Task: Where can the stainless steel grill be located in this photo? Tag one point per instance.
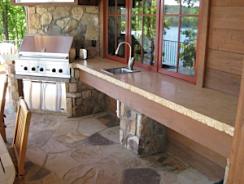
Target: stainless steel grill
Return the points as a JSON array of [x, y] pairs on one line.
[[44, 56]]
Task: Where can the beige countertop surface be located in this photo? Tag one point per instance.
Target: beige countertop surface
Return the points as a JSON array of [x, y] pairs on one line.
[[210, 107]]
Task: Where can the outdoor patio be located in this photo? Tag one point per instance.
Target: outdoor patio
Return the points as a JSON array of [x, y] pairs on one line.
[[87, 150]]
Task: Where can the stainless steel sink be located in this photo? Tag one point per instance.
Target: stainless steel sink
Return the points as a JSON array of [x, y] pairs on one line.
[[117, 71]]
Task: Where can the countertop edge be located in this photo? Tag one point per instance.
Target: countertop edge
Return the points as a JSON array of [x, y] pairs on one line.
[[206, 120]]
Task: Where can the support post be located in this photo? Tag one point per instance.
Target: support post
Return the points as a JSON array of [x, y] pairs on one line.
[[236, 169]]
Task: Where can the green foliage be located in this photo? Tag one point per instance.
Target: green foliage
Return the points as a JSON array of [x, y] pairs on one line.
[[12, 21], [188, 54]]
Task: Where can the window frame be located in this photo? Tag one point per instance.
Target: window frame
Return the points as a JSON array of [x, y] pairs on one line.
[[106, 19], [180, 15], [154, 67], [201, 47]]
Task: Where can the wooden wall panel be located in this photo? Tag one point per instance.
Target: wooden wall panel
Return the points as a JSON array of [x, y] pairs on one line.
[[178, 139], [230, 18], [225, 61], [225, 46], [227, 2], [223, 81], [226, 40]]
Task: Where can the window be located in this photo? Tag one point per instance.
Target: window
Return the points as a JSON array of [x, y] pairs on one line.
[[163, 34], [116, 27], [143, 31]]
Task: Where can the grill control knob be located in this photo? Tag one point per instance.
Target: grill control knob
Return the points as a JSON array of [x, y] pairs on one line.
[[54, 70], [33, 69], [25, 68], [60, 70], [41, 69]]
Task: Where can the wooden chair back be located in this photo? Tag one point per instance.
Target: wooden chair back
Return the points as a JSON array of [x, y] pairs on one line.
[[3, 91], [20, 140]]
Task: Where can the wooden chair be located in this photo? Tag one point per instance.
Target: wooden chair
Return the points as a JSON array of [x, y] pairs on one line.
[[3, 88], [20, 140]]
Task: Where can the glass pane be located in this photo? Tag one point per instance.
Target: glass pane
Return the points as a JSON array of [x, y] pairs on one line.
[[111, 7], [150, 6], [121, 31], [149, 34], [190, 6], [111, 35], [137, 7], [116, 7], [171, 7], [188, 37], [170, 42], [116, 34], [121, 8], [136, 37]]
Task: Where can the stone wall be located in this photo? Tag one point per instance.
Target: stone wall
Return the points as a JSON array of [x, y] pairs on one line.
[[83, 99], [140, 133], [81, 22]]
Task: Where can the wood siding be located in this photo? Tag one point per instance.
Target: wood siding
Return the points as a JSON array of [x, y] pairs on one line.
[[225, 53]]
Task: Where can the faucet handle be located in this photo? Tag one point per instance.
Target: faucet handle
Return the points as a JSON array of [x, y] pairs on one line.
[[131, 63]]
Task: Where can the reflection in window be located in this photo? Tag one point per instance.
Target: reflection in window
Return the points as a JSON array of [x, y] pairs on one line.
[[180, 35], [170, 43], [171, 7], [143, 30], [116, 26]]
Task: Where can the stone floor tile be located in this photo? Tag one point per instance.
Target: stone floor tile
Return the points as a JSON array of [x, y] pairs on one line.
[[87, 150], [70, 138], [60, 163], [89, 127], [36, 155], [192, 176], [39, 138], [141, 176], [98, 139], [54, 146], [111, 134], [52, 179]]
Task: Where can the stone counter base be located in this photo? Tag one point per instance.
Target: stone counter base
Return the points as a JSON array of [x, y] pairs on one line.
[[141, 134], [82, 99]]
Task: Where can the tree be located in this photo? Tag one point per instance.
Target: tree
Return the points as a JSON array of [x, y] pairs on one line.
[[12, 21], [188, 54]]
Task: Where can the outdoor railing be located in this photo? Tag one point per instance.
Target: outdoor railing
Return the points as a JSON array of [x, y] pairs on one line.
[[170, 52], [9, 49]]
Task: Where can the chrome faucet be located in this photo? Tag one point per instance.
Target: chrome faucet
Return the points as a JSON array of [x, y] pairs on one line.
[[131, 59]]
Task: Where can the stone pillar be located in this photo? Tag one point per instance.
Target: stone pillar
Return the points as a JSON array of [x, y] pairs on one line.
[[141, 134], [82, 99]]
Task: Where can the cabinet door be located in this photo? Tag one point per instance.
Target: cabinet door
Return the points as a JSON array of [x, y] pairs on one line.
[[33, 94], [50, 96], [45, 96]]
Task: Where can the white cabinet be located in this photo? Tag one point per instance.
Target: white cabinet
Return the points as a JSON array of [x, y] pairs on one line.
[[45, 96]]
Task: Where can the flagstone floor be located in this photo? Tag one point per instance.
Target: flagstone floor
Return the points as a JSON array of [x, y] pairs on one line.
[[86, 150]]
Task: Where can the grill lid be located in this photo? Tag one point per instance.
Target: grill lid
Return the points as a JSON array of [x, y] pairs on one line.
[[46, 46]]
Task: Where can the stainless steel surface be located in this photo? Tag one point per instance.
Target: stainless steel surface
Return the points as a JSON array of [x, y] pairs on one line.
[[131, 59], [43, 67], [45, 95], [83, 54], [44, 56], [50, 46], [117, 71]]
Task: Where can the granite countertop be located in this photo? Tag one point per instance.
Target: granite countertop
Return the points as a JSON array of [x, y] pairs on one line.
[[210, 107]]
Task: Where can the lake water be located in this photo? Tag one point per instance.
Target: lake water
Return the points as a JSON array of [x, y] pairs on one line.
[[172, 34]]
